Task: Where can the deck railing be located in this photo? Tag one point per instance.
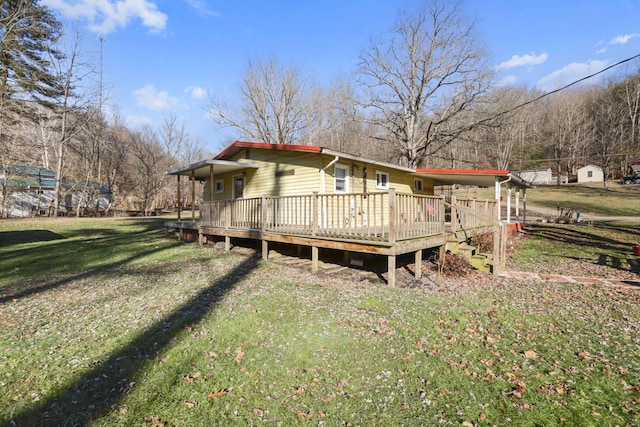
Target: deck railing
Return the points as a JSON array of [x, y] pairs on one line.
[[380, 216], [471, 214]]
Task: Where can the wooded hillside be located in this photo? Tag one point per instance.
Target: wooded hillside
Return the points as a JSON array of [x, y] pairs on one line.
[[424, 95]]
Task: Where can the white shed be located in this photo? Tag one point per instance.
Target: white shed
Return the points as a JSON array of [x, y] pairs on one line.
[[590, 173]]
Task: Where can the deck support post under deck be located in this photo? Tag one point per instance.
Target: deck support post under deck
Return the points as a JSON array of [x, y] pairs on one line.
[[265, 249], [391, 281], [418, 264], [227, 243], [314, 259]]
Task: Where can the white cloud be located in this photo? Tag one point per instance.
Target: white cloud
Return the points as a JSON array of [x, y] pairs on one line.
[[569, 74], [105, 16], [507, 81], [149, 97], [201, 7], [522, 60], [138, 121], [196, 92], [623, 39]]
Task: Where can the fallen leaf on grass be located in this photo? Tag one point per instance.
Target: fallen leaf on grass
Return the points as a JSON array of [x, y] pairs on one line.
[[188, 404], [530, 354], [216, 394]]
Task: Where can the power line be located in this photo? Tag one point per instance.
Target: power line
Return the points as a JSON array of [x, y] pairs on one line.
[[544, 95]]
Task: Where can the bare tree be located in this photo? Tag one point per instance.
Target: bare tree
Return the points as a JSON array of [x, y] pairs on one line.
[[564, 130], [273, 106], [428, 72], [73, 110], [150, 164], [606, 119]]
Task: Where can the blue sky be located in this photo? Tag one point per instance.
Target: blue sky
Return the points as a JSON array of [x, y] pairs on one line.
[[165, 57]]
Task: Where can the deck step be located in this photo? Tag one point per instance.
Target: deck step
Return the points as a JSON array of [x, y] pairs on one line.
[[479, 261]]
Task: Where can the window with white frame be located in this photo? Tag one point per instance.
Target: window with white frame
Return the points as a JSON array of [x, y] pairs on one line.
[[417, 184], [341, 178], [219, 185], [382, 180]]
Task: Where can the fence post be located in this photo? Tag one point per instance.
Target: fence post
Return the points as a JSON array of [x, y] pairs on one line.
[[263, 216], [314, 214], [393, 220], [454, 216]]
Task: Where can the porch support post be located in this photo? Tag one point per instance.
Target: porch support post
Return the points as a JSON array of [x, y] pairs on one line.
[[518, 204], [227, 243], [508, 204], [418, 264], [179, 198], [524, 205], [391, 281], [497, 196], [314, 259], [193, 195], [265, 249], [212, 183]]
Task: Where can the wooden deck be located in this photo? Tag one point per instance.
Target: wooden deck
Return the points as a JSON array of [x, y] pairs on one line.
[[383, 223]]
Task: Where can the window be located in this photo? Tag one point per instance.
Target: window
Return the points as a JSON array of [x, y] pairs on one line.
[[590, 174], [417, 184], [341, 178], [382, 180], [219, 185]]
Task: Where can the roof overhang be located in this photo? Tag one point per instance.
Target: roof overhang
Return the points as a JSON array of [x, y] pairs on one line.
[[202, 170], [486, 178]]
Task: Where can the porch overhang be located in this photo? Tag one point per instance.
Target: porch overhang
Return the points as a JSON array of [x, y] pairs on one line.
[[202, 170]]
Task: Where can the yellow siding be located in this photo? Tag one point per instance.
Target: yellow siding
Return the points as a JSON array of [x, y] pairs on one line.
[[287, 173]]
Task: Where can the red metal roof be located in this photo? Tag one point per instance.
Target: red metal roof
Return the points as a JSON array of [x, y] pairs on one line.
[[496, 172], [240, 145]]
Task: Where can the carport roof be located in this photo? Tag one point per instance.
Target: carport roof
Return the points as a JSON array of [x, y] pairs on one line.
[[472, 177], [202, 170]]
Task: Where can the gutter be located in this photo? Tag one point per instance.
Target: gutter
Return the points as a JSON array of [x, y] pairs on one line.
[[323, 173]]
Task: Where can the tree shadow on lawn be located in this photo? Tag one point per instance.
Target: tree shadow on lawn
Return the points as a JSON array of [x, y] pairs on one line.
[[102, 250], [597, 243], [98, 390], [9, 238]]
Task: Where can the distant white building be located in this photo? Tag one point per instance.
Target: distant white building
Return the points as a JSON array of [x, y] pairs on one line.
[[590, 173]]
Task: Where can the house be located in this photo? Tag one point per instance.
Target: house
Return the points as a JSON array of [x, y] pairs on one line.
[[322, 198], [30, 191], [590, 173]]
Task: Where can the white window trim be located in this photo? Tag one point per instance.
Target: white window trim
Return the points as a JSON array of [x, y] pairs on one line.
[[221, 189], [382, 186], [335, 178], [417, 182]]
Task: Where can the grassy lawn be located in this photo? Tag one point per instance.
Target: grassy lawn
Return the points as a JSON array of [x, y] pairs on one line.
[[591, 199], [109, 322]]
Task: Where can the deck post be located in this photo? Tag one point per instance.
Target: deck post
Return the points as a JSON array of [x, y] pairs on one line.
[[227, 243], [454, 215], [418, 264], [314, 259], [263, 216], [393, 220], [179, 200], [193, 195], [265, 249], [391, 281], [314, 213], [496, 249]]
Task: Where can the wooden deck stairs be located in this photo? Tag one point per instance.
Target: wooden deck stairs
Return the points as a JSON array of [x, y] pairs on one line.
[[480, 261]]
